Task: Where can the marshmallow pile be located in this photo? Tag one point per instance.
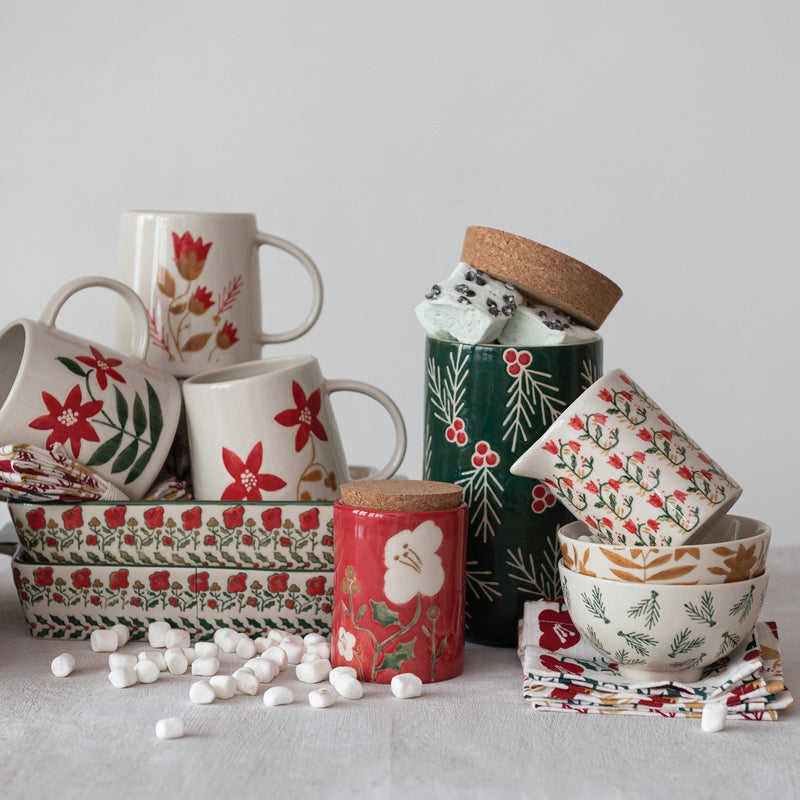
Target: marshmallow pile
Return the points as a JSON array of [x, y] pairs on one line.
[[472, 307], [264, 658]]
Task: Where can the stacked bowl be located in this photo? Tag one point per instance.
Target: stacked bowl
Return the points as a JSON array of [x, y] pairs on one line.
[[656, 574]]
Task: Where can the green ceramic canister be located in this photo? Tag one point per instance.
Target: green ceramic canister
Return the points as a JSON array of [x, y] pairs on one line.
[[484, 406]]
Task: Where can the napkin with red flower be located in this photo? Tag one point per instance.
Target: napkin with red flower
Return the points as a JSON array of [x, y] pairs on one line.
[[565, 673]]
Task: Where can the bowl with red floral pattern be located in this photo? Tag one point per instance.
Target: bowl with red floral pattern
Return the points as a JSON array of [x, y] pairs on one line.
[[627, 470], [733, 549]]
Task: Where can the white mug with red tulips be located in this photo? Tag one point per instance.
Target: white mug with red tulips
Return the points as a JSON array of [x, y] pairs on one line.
[[198, 275]]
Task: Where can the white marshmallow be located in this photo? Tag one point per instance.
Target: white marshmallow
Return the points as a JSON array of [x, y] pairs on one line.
[[190, 653], [406, 685], [262, 643], [714, 718], [157, 633], [246, 681], [313, 671], [121, 660], [337, 671], [62, 665], [323, 698], [170, 728], [534, 325], [245, 648], [219, 633], [205, 666], [293, 638], [469, 306], [104, 641], [264, 669], [313, 638], [123, 634], [122, 677], [177, 663], [278, 696], [147, 671], [154, 655], [348, 687], [227, 643], [177, 637], [278, 655], [309, 657], [207, 649], [224, 686], [321, 649], [294, 651], [275, 635], [202, 693]]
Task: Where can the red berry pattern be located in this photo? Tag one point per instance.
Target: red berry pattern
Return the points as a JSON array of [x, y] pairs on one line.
[[543, 499], [516, 361], [484, 456], [456, 433]]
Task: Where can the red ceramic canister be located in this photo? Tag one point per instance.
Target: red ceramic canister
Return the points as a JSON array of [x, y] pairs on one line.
[[400, 571]]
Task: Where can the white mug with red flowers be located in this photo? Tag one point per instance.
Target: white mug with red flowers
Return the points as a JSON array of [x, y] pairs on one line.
[[198, 275], [112, 412], [265, 430], [627, 470]]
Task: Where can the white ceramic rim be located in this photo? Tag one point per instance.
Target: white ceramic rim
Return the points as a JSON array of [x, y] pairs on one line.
[[248, 372], [572, 530]]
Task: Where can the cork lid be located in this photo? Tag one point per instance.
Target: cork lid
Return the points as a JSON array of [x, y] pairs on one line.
[[543, 274], [401, 495]]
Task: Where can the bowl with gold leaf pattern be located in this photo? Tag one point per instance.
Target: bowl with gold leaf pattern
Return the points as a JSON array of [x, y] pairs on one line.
[[733, 549]]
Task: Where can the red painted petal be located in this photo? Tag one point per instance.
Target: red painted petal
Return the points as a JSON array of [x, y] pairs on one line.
[[301, 439], [270, 483], [53, 406], [96, 353], [74, 398], [233, 492], [88, 410], [90, 362], [234, 465], [44, 423], [83, 430], [102, 379], [254, 458], [253, 494], [112, 373], [318, 430], [314, 402], [299, 396], [288, 418]]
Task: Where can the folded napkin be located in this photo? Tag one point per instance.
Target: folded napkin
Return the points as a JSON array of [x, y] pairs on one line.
[[31, 473], [565, 673]]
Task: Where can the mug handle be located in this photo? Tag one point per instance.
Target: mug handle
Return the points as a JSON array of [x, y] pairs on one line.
[[141, 330], [316, 285], [394, 412]]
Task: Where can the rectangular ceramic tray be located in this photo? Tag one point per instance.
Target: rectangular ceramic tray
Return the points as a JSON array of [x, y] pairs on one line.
[[290, 535], [68, 600]]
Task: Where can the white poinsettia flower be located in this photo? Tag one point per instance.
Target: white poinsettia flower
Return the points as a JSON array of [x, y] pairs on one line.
[[412, 564], [345, 641]]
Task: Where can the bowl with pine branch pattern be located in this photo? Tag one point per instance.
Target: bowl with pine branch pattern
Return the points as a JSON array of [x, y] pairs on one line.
[[663, 632]]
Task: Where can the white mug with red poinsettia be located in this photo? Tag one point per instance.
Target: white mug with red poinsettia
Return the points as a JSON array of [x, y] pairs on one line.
[[265, 430], [112, 412], [198, 275], [627, 470]]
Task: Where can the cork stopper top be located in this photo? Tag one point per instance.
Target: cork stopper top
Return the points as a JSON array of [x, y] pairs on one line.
[[401, 495], [545, 275]]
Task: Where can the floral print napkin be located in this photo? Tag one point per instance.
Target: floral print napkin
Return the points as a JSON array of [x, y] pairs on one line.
[[565, 673]]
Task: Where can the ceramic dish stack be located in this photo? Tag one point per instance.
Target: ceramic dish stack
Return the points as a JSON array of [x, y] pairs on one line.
[[87, 432], [662, 589]]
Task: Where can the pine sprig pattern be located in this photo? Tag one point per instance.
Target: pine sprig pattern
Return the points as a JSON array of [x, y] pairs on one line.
[[446, 394], [595, 606], [638, 641], [648, 609], [529, 394], [537, 579], [683, 642], [742, 607], [704, 612]]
